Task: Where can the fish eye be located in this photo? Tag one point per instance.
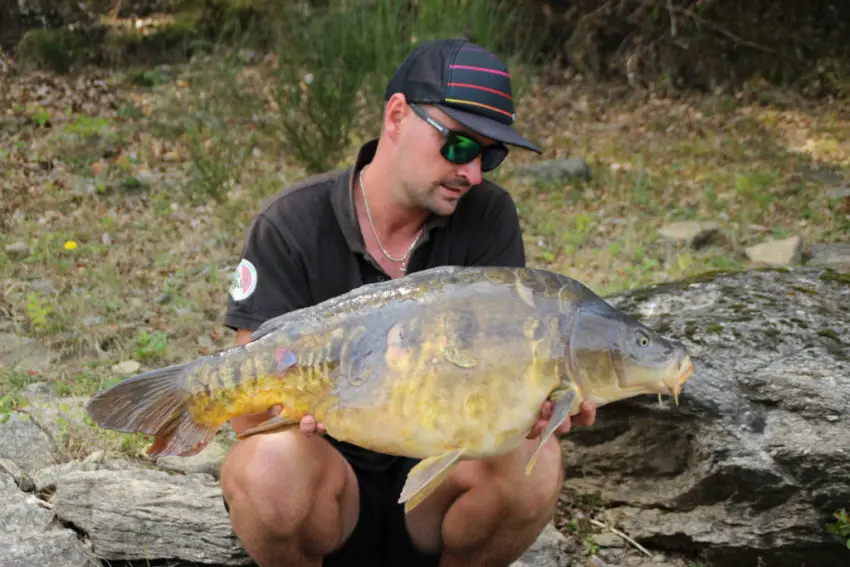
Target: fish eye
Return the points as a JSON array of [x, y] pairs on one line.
[[642, 338]]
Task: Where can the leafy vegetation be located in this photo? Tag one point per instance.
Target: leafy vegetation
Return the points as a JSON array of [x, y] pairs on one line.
[[840, 528]]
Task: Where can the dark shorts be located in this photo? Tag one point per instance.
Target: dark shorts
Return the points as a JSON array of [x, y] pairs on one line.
[[380, 538]]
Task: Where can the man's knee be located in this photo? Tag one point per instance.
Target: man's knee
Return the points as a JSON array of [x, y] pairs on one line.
[[259, 472], [284, 485], [540, 489], [499, 510]]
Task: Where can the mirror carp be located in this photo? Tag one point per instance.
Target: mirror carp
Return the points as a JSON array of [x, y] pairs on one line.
[[442, 365]]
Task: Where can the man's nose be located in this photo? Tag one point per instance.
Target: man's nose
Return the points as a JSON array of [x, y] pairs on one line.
[[472, 171]]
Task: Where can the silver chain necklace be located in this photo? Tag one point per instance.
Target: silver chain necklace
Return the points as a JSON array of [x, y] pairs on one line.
[[403, 259]]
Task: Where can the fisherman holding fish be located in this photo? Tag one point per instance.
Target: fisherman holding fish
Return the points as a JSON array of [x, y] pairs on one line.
[[415, 198], [400, 377]]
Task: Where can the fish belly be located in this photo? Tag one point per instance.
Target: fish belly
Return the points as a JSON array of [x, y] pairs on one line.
[[480, 413]]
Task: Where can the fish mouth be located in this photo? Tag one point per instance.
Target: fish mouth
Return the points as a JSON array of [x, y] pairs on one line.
[[674, 387]]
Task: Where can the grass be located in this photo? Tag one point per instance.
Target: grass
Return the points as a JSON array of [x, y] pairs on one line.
[[133, 192]]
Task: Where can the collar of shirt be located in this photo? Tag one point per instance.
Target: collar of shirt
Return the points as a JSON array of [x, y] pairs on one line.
[[342, 200]]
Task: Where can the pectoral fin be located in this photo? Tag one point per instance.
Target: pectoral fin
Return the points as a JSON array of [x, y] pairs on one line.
[[277, 422], [425, 477], [560, 412]]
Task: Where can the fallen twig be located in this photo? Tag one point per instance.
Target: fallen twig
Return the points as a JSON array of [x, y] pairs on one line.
[[622, 535], [43, 503], [41, 425]]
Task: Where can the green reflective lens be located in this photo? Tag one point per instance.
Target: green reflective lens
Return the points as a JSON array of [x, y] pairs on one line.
[[461, 149]]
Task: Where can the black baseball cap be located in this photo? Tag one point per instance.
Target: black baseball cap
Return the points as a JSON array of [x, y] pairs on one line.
[[465, 81]]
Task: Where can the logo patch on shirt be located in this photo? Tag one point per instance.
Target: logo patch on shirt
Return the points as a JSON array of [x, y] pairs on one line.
[[244, 280]]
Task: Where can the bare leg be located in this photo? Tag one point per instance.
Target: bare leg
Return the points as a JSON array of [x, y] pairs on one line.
[[488, 512], [292, 498]]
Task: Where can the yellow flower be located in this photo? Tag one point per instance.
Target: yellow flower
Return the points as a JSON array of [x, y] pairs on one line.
[[70, 245]]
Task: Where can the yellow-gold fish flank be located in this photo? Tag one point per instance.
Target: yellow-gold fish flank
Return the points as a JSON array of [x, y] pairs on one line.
[[442, 365]]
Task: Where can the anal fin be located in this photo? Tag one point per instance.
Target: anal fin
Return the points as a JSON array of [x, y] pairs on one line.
[[277, 422], [560, 412], [425, 477]]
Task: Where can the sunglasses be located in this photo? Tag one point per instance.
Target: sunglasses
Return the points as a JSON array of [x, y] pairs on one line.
[[460, 149]]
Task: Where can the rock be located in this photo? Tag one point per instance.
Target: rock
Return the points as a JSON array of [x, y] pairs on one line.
[[127, 367], [547, 551], [144, 514], [555, 170], [608, 539], [749, 469], [44, 286], [208, 461], [785, 252], [129, 512], [17, 250], [25, 443], [824, 176], [20, 354], [37, 392], [28, 535], [21, 478], [45, 548], [92, 320], [82, 186], [695, 234], [835, 256], [840, 192]]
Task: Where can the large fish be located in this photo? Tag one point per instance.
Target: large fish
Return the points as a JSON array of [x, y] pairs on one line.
[[443, 365]]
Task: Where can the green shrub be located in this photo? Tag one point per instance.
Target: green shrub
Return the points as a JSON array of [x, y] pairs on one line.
[[333, 61]]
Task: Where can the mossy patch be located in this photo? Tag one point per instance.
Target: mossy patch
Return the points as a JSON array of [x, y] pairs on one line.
[[708, 276], [830, 275], [663, 327], [803, 289], [828, 333]]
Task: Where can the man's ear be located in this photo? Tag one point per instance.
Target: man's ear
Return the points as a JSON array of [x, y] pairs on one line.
[[394, 113]]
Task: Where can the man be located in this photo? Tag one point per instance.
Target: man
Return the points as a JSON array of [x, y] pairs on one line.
[[414, 199]]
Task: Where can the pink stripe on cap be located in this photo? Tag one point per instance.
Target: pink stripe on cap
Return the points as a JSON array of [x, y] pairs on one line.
[[495, 72], [480, 88]]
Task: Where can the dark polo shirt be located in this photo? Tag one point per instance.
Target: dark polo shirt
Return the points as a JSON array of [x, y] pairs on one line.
[[304, 246]]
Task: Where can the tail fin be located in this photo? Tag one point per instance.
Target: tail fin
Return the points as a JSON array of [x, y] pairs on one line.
[[152, 403]]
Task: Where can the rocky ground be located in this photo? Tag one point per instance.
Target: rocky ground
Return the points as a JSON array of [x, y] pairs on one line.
[[749, 469]]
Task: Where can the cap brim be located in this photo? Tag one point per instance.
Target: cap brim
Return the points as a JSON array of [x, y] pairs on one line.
[[489, 128]]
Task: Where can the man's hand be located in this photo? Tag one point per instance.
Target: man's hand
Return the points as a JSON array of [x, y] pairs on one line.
[[308, 424], [586, 417], [242, 423]]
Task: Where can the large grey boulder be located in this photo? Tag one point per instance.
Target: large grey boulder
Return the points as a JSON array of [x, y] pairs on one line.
[[753, 464]]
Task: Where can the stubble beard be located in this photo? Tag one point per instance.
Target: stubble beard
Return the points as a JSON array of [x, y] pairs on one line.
[[432, 201]]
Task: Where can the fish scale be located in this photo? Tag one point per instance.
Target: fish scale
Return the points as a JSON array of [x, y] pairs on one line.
[[444, 365]]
